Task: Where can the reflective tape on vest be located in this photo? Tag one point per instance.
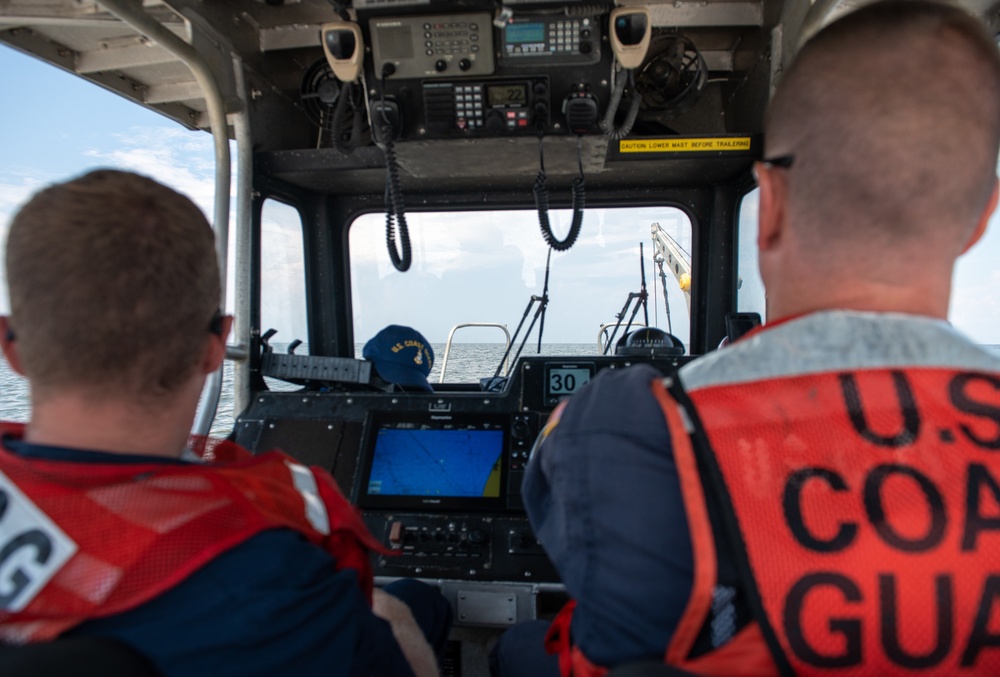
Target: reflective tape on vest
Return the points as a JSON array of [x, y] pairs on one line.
[[305, 483]]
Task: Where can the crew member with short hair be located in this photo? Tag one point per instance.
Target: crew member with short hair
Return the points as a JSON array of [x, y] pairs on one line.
[[822, 496], [215, 563]]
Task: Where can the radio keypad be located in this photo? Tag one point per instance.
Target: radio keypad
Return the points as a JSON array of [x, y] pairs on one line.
[[451, 38], [469, 105], [564, 36]]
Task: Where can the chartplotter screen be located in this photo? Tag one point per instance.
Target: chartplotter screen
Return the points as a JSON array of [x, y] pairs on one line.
[[449, 464]]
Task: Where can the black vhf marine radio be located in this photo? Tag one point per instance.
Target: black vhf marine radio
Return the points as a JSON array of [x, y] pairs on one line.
[[492, 106], [549, 40]]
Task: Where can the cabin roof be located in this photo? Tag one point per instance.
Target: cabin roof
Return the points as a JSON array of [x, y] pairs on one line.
[[745, 45]]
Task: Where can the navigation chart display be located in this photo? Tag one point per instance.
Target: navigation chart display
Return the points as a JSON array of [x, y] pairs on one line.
[[444, 465]]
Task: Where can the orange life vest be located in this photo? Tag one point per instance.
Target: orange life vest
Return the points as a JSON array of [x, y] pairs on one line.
[[87, 540], [867, 503], [867, 506]]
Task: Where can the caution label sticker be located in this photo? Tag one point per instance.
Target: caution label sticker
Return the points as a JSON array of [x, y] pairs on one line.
[[688, 145]]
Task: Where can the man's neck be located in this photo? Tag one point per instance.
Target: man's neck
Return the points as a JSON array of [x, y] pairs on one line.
[[861, 303], [113, 426], [924, 292]]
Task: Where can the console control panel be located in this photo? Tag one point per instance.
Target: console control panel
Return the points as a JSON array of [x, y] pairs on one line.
[[438, 478], [461, 540], [459, 547]]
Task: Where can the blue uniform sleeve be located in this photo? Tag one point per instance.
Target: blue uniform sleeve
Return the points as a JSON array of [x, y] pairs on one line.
[[603, 495], [271, 606]]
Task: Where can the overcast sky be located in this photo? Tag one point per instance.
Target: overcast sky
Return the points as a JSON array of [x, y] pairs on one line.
[[56, 126]]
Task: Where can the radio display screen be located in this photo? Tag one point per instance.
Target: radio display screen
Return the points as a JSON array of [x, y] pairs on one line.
[[521, 33], [428, 463], [507, 95]]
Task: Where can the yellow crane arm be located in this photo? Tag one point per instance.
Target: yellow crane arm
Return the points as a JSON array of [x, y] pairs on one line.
[[667, 253]]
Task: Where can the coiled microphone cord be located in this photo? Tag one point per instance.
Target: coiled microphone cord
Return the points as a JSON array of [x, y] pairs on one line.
[[541, 191], [627, 77], [395, 209], [347, 101]]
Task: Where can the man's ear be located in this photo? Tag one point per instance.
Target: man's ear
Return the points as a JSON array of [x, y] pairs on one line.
[[215, 348], [984, 218], [773, 206], [8, 345]]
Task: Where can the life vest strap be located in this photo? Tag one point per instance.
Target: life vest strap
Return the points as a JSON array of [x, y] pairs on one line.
[[717, 495]]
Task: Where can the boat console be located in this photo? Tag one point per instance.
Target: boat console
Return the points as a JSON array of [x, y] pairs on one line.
[[437, 476]]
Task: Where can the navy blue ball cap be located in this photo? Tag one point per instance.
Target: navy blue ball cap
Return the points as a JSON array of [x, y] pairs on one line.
[[401, 355]]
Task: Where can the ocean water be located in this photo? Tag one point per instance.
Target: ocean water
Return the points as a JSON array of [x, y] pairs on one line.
[[467, 362]]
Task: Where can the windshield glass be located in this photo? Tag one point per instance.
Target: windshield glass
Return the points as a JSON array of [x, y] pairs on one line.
[[486, 267]]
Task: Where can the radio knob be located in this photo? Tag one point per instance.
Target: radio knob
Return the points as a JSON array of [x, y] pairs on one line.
[[495, 122], [464, 64], [441, 65], [477, 537], [586, 48]]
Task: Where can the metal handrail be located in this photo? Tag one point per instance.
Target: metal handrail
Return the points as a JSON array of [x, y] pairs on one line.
[[133, 15], [240, 352], [451, 334], [604, 330]]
